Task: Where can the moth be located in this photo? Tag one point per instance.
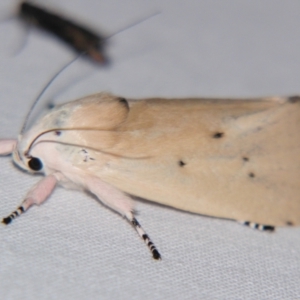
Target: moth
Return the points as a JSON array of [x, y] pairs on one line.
[[229, 158], [77, 36]]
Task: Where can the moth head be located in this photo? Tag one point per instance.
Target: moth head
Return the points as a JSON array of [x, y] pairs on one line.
[[31, 147], [28, 163], [25, 161]]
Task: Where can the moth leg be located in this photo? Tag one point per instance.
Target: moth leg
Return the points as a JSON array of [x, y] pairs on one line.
[[37, 195], [123, 204], [7, 146], [260, 227], [144, 236]]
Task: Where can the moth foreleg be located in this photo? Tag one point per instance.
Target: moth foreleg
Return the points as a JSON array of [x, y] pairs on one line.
[[261, 227], [120, 202], [7, 146], [37, 195]]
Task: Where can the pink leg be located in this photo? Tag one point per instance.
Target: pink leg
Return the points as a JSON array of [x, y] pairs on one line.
[[123, 204], [110, 196], [7, 146], [37, 195]]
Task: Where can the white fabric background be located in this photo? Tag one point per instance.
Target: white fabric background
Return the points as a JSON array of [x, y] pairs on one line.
[[74, 248]]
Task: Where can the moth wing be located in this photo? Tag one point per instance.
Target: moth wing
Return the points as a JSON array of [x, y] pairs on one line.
[[236, 159]]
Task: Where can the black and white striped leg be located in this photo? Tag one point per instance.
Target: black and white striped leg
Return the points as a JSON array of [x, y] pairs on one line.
[[25, 205], [13, 215], [145, 237], [257, 226], [36, 195]]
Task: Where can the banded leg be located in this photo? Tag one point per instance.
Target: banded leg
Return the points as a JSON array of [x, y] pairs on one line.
[[257, 226], [144, 236], [120, 202], [20, 210], [37, 195]]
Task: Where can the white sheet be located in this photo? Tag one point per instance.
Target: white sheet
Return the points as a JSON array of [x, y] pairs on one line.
[[74, 248]]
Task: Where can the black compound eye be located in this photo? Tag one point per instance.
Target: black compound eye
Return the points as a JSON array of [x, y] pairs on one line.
[[35, 164]]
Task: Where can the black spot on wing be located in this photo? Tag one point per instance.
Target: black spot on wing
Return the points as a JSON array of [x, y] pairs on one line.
[[124, 102], [245, 158], [218, 135], [289, 223], [251, 174], [181, 163]]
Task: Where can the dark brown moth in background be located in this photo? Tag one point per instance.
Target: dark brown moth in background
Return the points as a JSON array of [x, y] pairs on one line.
[[80, 38]]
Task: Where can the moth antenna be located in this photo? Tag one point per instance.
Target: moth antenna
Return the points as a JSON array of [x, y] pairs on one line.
[[132, 25], [75, 145], [58, 130], [46, 87]]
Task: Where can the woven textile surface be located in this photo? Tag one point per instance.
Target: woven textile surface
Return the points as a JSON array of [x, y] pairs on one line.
[[72, 247]]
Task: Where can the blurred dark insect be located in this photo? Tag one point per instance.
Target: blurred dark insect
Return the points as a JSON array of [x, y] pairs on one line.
[[80, 38]]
